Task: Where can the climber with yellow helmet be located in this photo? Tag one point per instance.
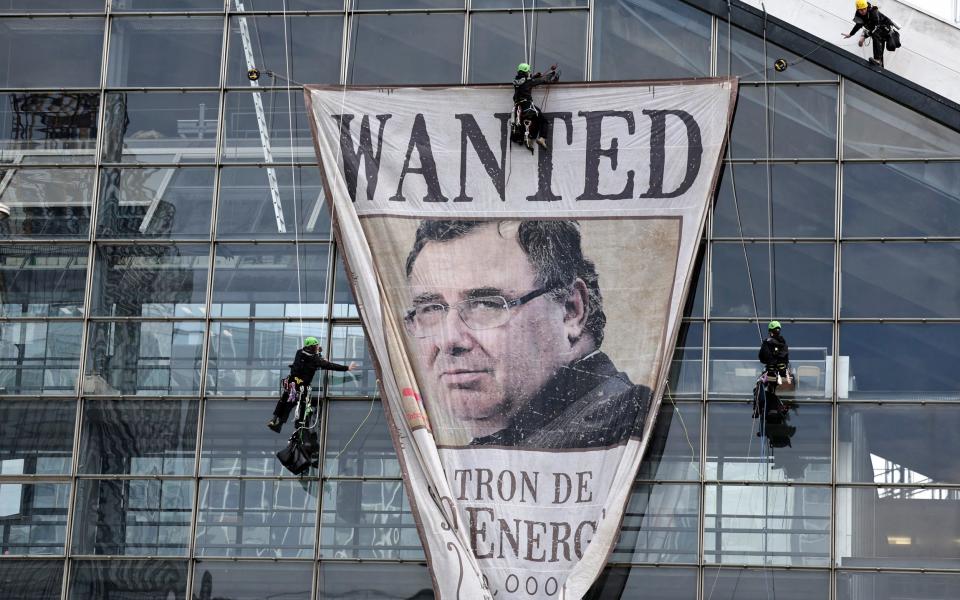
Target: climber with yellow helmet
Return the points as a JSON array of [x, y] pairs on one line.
[[876, 26]]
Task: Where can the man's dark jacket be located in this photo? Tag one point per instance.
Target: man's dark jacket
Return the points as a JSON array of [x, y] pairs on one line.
[[587, 404], [523, 86], [774, 351], [870, 22], [305, 366]]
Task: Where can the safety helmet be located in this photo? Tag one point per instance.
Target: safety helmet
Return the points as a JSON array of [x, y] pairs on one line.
[[523, 68], [773, 325], [862, 4], [311, 341]]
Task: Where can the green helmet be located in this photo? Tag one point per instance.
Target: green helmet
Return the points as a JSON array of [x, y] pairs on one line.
[[773, 325], [523, 68], [311, 341]]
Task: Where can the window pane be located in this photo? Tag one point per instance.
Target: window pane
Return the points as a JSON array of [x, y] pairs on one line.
[[150, 281], [269, 281], [249, 358], [247, 206], [290, 5], [31, 579], [694, 306], [674, 449], [42, 281], [662, 583], [523, 5], [47, 203], [734, 367], [187, 48], [802, 280], [349, 344], [898, 527], [891, 586], [899, 361], [913, 279], [905, 133], [128, 580], [289, 136], [39, 358], [766, 584], [257, 518], [145, 358], [390, 49], [686, 372], [388, 4], [39, 6], [227, 421], [801, 202], [135, 437], [155, 203], [650, 39], [898, 445], [803, 122], [36, 437], [132, 517], [367, 519], [358, 443], [344, 304], [735, 453], [252, 580], [496, 40], [374, 580], [873, 199], [48, 127], [51, 52], [747, 59], [312, 46], [33, 518], [660, 525], [164, 5], [770, 525], [160, 127]]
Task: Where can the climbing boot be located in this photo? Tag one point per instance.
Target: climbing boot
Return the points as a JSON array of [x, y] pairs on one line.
[[275, 424]]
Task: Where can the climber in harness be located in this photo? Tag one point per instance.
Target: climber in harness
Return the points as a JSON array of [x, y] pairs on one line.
[[876, 26], [767, 405], [528, 125]]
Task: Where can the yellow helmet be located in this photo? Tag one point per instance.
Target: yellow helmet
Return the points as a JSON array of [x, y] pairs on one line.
[[862, 4]]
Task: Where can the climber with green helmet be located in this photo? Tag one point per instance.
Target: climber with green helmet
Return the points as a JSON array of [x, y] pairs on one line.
[[774, 353], [529, 126], [296, 387]]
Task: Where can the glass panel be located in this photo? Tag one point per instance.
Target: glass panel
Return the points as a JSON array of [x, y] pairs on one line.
[[766, 584], [47, 203], [899, 361], [905, 133], [894, 586], [650, 39], [523, 5], [33, 518], [349, 344], [144, 358], [150, 281], [389, 49], [358, 443], [674, 449], [51, 52], [388, 4], [31, 579], [747, 59], [160, 127], [290, 5], [135, 437], [188, 49], [227, 421], [39, 358], [132, 517], [898, 527], [312, 44], [249, 358], [257, 518], [155, 203], [165, 5], [40, 6], [802, 281], [128, 580], [42, 281], [344, 304], [367, 519], [269, 281], [496, 40], [374, 580], [662, 583], [735, 453], [36, 437], [247, 209], [801, 201], [873, 199], [896, 280], [48, 127], [289, 134], [660, 525], [686, 373], [734, 367], [252, 580], [770, 525], [803, 122], [898, 445]]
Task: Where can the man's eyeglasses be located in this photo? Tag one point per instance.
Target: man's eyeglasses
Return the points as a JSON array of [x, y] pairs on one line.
[[485, 312]]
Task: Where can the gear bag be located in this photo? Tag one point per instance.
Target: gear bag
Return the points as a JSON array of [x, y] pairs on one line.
[[893, 40]]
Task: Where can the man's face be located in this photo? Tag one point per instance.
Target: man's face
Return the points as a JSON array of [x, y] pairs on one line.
[[485, 375], [862, 11]]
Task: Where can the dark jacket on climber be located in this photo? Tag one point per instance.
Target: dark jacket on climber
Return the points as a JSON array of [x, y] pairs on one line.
[[774, 353], [304, 367], [529, 124], [875, 25]]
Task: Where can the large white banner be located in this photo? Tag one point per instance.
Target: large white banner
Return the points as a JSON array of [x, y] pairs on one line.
[[522, 306]]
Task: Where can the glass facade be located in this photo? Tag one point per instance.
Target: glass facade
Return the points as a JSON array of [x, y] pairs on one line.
[[166, 250]]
